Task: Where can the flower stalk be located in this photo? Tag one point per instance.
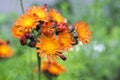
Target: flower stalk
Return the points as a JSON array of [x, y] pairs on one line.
[[39, 66], [22, 7]]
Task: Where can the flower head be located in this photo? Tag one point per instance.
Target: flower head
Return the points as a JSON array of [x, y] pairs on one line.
[[62, 27], [52, 68], [55, 16], [47, 28], [24, 24], [84, 34], [40, 12], [48, 46], [5, 50], [66, 40]]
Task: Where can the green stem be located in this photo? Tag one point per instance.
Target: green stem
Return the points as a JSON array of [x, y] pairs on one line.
[[22, 7], [31, 64], [39, 66], [50, 77]]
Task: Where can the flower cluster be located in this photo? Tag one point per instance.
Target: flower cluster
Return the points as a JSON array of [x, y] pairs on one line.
[[5, 50], [47, 30]]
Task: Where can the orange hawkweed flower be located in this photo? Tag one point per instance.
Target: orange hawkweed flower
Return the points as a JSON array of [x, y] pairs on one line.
[[48, 46], [5, 50], [23, 25], [18, 31], [84, 34], [66, 40], [47, 28], [62, 27], [41, 12], [56, 16], [52, 67]]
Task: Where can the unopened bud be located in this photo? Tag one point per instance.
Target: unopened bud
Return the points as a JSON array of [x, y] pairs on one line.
[[32, 44], [23, 40], [45, 6], [75, 37], [62, 27], [54, 23], [56, 32], [8, 42], [72, 28], [76, 42], [28, 35], [62, 56], [38, 26]]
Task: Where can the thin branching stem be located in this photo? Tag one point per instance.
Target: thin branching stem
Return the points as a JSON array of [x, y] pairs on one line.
[[22, 7]]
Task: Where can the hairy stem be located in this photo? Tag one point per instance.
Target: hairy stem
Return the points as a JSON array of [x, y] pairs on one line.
[[31, 64], [22, 7], [39, 66]]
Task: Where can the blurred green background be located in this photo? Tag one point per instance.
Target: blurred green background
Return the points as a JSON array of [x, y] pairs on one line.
[[98, 60]]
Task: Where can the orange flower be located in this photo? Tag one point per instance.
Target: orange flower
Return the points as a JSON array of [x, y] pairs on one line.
[[62, 27], [47, 28], [56, 16], [52, 67], [48, 46], [84, 34], [40, 12], [23, 25], [5, 50], [66, 40], [18, 31]]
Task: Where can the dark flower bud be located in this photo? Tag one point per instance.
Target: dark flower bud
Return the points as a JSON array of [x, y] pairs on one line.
[[28, 35], [72, 28], [32, 38], [23, 40], [45, 6], [8, 42], [62, 27], [39, 25], [32, 44], [54, 23], [75, 37], [41, 22], [56, 32], [76, 42], [62, 56]]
